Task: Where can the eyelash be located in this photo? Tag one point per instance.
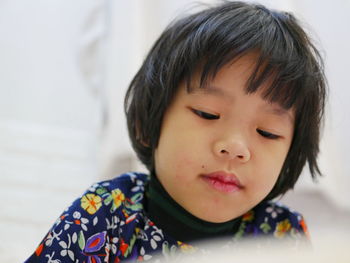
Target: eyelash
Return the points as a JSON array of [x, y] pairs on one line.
[[209, 116], [268, 135], [206, 115]]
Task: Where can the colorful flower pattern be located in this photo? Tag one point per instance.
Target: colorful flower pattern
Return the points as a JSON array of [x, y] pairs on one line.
[[282, 228], [108, 224], [91, 203]]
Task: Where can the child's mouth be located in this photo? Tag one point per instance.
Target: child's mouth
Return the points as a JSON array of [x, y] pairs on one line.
[[223, 182]]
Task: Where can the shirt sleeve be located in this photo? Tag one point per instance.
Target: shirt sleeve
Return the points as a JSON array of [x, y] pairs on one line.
[[81, 232], [276, 220]]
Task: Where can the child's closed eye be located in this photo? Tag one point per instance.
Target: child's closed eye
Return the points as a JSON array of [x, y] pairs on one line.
[[268, 135], [206, 115]]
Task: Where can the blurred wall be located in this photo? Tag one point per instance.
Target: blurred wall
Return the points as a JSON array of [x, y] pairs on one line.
[[51, 80]]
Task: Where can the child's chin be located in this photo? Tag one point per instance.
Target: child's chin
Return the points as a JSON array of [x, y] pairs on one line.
[[215, 218]]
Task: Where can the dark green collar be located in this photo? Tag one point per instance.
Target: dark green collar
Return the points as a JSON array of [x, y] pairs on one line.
[[176, 221]]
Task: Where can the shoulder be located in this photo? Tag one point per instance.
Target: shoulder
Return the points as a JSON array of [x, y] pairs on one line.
[[126, 182], [93, 221], [111, 194], [274, 218]]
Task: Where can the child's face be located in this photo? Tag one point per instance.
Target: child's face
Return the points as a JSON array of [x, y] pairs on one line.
[[218, 155]]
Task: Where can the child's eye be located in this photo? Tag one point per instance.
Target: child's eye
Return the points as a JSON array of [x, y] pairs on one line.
[[268, 135], [206, 115]]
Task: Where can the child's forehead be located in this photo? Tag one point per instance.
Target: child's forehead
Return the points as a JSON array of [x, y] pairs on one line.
[[242, 61], [225, 93], [240, 68], [234, 74]]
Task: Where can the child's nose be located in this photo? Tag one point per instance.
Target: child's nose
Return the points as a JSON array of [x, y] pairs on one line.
[[232, 148]]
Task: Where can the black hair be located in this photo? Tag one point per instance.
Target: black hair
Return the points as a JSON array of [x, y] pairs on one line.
[[214, 37]]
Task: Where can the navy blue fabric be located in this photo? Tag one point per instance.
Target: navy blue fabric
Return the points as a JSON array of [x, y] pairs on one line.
[[108, 224]]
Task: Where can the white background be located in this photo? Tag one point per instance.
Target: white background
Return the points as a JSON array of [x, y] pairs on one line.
[[64, 69]]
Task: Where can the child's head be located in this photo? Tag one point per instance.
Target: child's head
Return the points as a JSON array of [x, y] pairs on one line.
[[235, 88]]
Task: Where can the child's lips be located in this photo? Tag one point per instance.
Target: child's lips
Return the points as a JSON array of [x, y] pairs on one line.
[[224, 182]]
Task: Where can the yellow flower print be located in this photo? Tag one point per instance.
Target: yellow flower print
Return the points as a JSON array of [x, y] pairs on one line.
[[282, 228], [91, 203], [118, 198]]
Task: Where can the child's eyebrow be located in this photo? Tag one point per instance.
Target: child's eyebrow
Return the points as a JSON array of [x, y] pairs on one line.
[[211, 90], [279, 111]]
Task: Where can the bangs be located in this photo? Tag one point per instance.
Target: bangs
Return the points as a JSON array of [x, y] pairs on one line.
[[282, 62]]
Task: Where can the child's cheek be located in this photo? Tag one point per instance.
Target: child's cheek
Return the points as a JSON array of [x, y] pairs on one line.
[[184, 163], [186, 167]]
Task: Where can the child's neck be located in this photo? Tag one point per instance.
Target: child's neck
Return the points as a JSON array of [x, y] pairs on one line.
[[176, 221]]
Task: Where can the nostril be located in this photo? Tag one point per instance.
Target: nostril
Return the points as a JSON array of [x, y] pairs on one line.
[[236, 151], [239, 156]]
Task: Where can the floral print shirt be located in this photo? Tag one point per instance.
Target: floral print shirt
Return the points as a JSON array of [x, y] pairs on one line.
[[108, 224]]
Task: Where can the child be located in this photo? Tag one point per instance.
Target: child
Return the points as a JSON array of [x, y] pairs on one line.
[[224, 113]]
